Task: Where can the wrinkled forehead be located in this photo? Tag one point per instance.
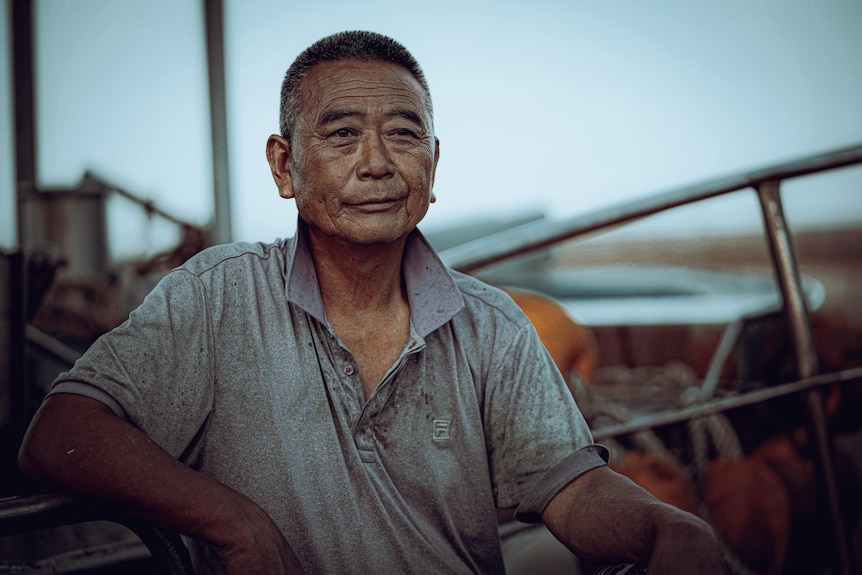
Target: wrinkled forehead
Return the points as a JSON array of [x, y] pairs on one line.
[[328, 82]]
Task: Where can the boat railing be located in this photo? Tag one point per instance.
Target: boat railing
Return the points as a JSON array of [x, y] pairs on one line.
[[766, 183], [24, 514]]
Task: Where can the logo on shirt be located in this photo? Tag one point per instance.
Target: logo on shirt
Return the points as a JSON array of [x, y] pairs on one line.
[[440, 429]]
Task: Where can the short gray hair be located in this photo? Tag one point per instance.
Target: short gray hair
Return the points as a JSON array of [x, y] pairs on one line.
[[351, 45]]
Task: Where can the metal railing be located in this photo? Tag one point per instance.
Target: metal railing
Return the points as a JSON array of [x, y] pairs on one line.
[[766, 183], [27, 513], [481, 253]]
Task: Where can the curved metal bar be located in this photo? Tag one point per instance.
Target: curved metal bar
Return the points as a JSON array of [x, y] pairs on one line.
[[495, 248], [25, 513], [645, 422], [51, 344], [491, 249], [787, 275], [91, 179]]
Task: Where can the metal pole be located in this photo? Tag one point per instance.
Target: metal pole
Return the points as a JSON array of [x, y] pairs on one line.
[[720, 405], [24, 118], [794, 304], [497, 247], [214, 20]]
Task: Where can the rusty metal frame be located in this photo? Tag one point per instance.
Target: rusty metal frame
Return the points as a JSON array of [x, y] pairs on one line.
[[766, 183], [31, 512], [28, 513], [495, 248]]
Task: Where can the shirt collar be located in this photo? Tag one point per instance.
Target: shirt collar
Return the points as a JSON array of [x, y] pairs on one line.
[[433, 296]]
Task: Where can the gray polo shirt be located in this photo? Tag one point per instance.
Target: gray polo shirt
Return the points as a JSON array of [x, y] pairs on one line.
[[230, 365]]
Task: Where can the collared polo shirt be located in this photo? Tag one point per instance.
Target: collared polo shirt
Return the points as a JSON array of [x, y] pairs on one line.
[[231, 366]]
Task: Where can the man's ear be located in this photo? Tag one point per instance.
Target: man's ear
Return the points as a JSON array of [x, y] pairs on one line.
[[278, 156], [434, 168]]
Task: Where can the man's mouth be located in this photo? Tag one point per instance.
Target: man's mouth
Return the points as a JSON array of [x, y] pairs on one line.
[[376, 204]]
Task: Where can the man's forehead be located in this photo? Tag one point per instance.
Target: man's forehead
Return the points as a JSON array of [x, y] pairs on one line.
[[333, 66], [329, 79]]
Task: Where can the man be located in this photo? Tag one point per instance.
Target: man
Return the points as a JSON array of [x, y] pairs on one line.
[[341, 402]]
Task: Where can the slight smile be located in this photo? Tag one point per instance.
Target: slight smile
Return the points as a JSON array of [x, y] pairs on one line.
[[376, 205]]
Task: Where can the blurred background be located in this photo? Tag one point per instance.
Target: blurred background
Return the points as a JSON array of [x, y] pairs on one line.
[[144, 143], [547, 106]]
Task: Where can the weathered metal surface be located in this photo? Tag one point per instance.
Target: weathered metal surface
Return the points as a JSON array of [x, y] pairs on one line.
[[496, 248], [214, 20], [645, 422], [24, 514], [481, 253], [787, 275]]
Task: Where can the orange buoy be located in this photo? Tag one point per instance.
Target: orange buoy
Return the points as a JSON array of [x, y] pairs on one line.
[[572, 345], [797, 471], [749, 507], [661, 476]]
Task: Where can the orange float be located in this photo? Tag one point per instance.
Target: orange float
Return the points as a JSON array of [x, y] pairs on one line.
[[750, 508], [661, 476], [572, 345]]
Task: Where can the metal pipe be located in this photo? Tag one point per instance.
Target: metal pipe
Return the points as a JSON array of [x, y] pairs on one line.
[[645, 422], [148, 205], [15, 412], [52, 345], [787, 275], [491, 249], [725, 348], [214, 19], [24, 119], [24, 112], [45, 510]]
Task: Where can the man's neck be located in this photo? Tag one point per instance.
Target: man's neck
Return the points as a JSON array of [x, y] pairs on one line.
[[365, 301], [358, 278]]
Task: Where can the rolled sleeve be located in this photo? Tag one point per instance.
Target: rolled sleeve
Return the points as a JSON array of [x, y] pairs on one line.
[[546, 488], [533, 422], [87, 390]]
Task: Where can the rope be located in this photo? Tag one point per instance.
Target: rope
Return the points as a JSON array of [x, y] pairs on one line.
[[718, 429], [713, 429], [595, 406]]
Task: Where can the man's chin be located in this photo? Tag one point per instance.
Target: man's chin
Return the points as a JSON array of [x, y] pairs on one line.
[[360, 235], [376, 238], [369, 231]]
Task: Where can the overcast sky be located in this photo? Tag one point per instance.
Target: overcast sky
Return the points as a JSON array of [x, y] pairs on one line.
[[555, 106]]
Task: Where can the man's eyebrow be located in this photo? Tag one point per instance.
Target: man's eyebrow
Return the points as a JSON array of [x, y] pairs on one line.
[[330, 116], [409, 115]]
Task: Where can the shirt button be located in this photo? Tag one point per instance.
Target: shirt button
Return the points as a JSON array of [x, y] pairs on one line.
[[348, 369]]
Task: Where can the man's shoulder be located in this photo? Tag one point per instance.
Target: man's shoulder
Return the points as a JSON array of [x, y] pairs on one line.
[[236, 254], [485, 299]]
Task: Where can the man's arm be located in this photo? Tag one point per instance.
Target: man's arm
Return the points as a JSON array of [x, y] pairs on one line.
[[78, 443], [606, 518]]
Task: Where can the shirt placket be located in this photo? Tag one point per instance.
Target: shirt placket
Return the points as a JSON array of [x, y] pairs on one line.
[[364, 430]]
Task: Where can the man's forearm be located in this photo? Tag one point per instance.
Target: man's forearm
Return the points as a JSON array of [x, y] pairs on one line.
[[604, 517], [78, 443]]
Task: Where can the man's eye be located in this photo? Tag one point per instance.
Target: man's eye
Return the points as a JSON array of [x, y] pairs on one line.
[[342, 133], [404, 133]]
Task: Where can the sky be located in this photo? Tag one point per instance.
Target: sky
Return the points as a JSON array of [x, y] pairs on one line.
[[558, 107]]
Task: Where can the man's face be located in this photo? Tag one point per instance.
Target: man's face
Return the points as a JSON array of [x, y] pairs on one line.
[[363, 155]]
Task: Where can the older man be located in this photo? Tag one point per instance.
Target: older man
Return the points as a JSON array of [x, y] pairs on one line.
[[340, 402]]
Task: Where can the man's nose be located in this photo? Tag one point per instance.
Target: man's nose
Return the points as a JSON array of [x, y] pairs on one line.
[[375, 160]]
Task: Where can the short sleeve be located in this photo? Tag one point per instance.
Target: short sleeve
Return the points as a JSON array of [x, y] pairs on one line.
[[537, 498], [157, 366], [533, 420]]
